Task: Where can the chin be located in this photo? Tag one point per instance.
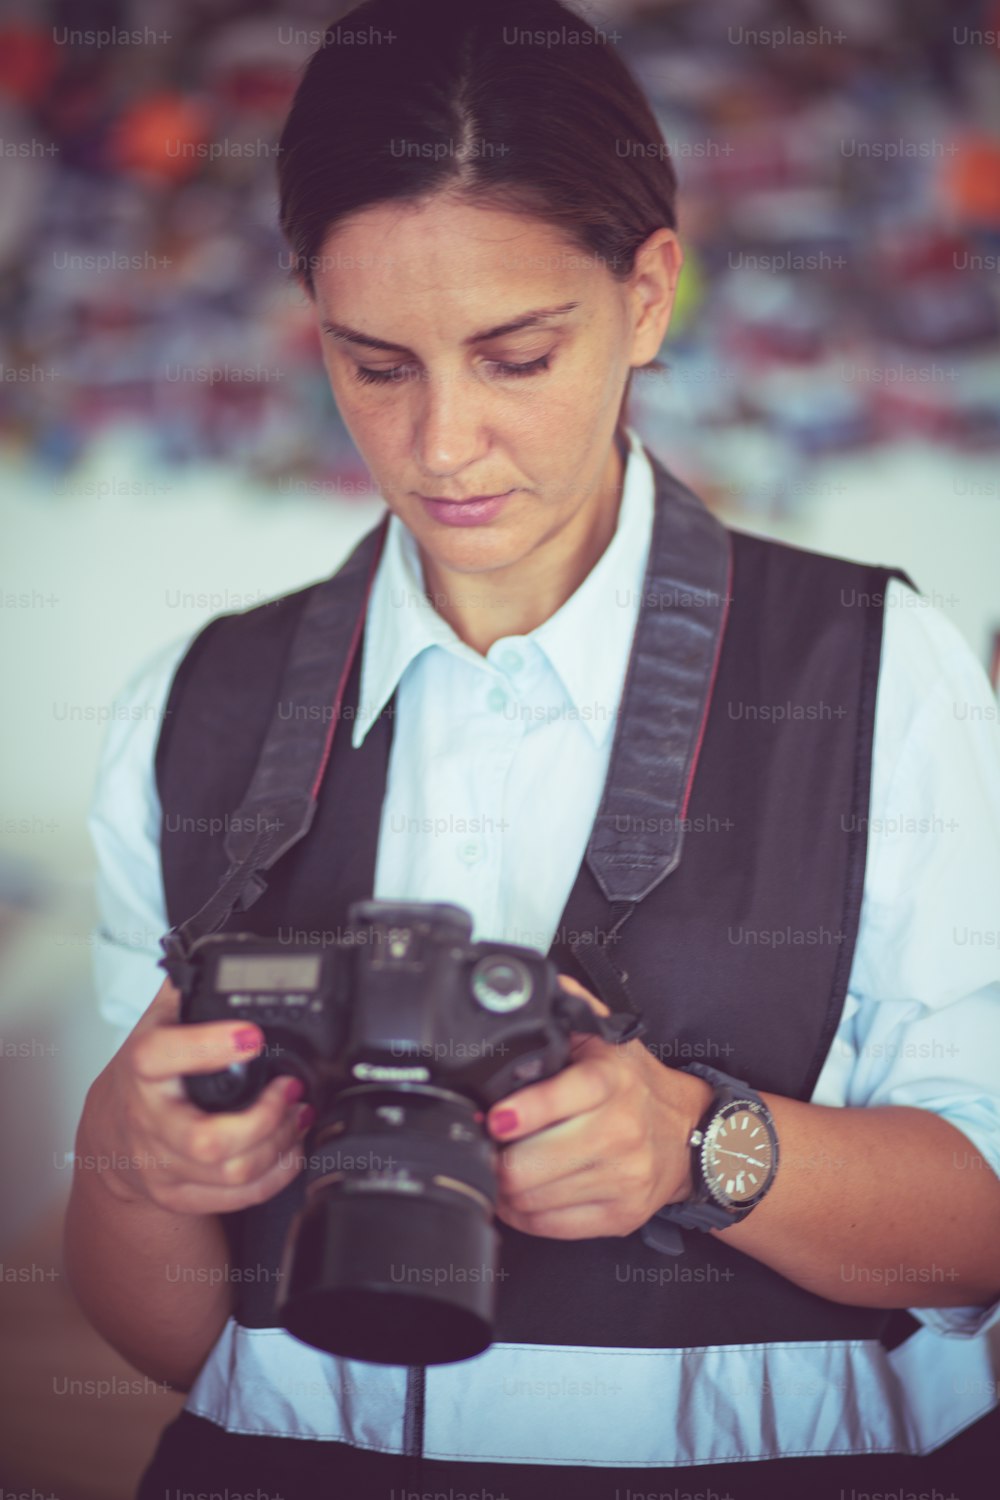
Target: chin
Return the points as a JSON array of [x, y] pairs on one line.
[[504, 533], [473, 550]]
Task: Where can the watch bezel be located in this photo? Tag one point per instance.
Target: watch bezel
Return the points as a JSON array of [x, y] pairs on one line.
[[709, 1128]]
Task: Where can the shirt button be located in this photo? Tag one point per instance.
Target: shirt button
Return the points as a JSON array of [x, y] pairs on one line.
[[497, 700], [511, 661], [470, 851]]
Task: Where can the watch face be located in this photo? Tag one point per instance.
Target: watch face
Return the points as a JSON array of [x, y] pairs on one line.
[[738, 1156]]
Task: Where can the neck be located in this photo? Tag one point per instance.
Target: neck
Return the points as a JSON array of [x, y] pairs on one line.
[[516, 599]]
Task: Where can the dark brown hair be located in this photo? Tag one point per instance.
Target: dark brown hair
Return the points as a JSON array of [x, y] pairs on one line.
[[515, 104]]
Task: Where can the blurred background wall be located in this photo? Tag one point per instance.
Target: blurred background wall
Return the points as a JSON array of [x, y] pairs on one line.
[[170, 449]]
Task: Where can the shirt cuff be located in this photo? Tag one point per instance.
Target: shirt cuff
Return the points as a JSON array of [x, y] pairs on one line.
[[959, 1322], [966, 1322]]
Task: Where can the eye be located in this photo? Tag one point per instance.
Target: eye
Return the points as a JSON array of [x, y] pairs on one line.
[[398, 373], [380, 377], [368, 377], [533, 367]]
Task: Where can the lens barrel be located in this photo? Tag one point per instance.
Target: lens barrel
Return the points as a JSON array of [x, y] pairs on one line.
[[394, 1258]]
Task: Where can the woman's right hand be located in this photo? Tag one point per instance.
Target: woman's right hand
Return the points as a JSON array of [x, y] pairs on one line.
[[140, 1130]]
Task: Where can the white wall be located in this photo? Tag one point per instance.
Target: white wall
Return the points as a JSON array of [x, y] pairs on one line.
[[119, 567], [925, 509]]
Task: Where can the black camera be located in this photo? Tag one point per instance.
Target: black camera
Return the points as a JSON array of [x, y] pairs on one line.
[[404, 1032]]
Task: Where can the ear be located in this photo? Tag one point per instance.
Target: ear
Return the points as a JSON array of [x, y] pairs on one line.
[[652, 289]]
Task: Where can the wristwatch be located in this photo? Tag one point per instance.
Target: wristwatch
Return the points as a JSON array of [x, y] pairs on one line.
[[734, 1161]]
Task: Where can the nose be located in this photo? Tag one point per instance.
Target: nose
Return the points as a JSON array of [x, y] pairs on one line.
[[449, 422]]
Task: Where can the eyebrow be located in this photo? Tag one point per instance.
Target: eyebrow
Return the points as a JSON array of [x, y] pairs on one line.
[[524, 320]]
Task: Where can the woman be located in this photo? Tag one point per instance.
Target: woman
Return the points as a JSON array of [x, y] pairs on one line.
[[663, 752]]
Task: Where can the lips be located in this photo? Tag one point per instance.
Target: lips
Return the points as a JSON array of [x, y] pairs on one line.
[[476, 511], [466, 500]]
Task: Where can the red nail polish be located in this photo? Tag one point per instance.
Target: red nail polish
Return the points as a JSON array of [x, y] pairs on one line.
[[247, 1039], [504, 1122], [306, 1116], [294, 1089]]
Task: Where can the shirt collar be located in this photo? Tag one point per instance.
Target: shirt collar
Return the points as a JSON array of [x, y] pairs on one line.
[[587, 640]]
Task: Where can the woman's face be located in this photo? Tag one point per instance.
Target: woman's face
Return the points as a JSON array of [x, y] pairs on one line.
[[473, 352]]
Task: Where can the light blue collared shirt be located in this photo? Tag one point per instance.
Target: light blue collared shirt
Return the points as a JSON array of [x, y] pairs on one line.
[[495, 776]]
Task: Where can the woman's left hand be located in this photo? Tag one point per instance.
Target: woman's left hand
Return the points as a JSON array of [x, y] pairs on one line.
[[598, 1148]]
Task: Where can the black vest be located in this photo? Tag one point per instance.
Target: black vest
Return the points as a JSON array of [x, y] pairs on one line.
[[720, 891]]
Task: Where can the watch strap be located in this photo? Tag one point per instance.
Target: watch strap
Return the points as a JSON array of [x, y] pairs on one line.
[[721, 1081]]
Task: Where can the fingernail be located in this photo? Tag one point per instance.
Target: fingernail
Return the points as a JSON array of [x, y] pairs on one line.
[[294, 1089], [247, 1039], [504, 1122], [306, 1116]]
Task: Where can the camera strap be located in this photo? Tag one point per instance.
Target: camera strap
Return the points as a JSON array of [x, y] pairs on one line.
[[606, 981], [617, 1029], [280, 802]]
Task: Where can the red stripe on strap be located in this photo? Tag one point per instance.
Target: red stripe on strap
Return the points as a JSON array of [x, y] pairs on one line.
[[348, 664]]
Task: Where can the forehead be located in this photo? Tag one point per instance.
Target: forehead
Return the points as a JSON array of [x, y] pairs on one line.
[[448, 260]]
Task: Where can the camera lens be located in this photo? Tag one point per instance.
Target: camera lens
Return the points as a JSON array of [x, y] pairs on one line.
[[501, 984], [393, 1257]]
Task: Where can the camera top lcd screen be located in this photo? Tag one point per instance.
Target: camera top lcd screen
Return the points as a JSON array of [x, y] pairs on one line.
[[267, 971]]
